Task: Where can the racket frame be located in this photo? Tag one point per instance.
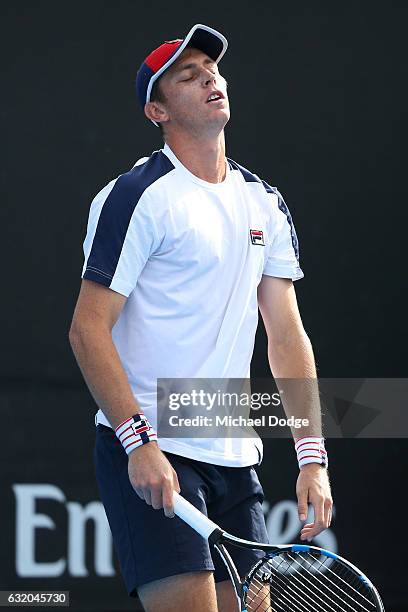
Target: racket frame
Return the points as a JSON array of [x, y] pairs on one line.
[[217, 537]]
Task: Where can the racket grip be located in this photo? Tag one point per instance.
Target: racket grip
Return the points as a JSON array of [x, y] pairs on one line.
[[192, 516]]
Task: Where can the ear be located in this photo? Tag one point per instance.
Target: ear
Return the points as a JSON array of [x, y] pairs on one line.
[[156, 112]]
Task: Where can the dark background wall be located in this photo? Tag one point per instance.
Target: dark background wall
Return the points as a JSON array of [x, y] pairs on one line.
[[317, 94]]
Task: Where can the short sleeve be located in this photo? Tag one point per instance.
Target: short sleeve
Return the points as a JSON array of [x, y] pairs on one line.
[[282, 257], [121, 235]]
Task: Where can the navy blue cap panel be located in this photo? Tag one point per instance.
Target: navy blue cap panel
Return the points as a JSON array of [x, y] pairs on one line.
[[142, 81], [206, 42]]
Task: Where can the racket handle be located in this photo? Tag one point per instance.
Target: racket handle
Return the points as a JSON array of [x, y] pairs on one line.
[[193, 517]]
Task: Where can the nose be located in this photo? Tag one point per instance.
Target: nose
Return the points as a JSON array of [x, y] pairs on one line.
[[208, 78]]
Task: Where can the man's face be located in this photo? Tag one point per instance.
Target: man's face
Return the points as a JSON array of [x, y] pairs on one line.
[[196, 94]]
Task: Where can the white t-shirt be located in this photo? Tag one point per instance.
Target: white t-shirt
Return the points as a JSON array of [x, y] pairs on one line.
[[189, 256]]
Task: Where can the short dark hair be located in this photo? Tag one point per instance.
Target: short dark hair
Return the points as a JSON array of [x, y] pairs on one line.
[[157, 95]]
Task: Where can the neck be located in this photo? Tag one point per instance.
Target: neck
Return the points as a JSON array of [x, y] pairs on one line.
[[204, 158]]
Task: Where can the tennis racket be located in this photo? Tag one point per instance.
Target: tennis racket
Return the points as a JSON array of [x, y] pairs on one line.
[[289, 578]]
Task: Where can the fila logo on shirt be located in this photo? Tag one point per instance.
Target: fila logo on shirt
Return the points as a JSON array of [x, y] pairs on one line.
[[257, 237]]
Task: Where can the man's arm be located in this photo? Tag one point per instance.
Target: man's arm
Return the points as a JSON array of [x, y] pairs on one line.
[[97, 310], [291, 356]]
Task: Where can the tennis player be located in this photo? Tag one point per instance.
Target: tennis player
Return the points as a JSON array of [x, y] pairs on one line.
[[179, 253]]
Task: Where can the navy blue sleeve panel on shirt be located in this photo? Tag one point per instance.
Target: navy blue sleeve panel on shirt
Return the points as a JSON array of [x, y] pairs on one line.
[[283, 207], [283, 252], [113, 227], [248, 176]]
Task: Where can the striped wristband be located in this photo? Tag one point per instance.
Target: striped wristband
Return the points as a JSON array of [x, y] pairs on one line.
[[134, 432], [311, 450]]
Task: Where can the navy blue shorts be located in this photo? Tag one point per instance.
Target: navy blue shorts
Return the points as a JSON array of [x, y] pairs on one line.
[[151, 546]]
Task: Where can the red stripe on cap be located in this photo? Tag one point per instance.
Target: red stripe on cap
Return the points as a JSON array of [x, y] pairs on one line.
[[159, 56]]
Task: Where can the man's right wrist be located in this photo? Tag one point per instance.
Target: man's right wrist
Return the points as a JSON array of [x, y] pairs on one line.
[[134, 432]]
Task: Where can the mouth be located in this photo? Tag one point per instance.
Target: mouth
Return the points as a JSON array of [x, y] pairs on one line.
[[215, 96]]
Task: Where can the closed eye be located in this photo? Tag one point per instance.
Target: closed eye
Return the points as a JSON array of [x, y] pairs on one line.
[[187, 78], [191, 77]]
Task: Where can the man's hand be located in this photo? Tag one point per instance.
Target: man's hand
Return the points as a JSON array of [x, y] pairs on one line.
[[153, 477], [313, 487]]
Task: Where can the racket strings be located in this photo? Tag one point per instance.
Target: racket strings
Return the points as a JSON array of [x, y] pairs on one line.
[[338, 576], [316, 599], [293, 595], [331, 591], [303, 582], [328, 581], [265, 604]]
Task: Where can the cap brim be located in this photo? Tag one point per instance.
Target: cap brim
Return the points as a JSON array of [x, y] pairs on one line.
[[202, 37], [207, 40]]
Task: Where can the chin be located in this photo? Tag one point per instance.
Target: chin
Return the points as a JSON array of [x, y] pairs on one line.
[[212, 126], [223, 118]]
